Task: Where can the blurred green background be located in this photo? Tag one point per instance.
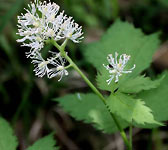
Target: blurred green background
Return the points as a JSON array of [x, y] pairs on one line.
[[26, 101]]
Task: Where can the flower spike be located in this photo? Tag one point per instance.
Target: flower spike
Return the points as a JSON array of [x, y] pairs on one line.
[[41, 23]]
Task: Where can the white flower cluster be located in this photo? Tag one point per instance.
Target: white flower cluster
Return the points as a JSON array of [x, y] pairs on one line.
[[56, 62], [40, 23], [116, 68]]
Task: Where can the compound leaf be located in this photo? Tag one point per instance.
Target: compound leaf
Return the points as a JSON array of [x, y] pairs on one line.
[[131, 85], [123, 38], [90, 109], [130, 109], [139, 83], [157, 100]]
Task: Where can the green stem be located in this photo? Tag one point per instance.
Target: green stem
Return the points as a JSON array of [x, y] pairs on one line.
[[130, 136], [68, 66], [63, 53], [55, 44], [122, 132], [85, 78]]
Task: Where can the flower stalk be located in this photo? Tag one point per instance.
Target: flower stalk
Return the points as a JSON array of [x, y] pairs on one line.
[[64, 54]]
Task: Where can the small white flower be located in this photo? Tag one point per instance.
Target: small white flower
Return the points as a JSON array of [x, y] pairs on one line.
[[59, 69], [48, 10], [41, 67], [52, 67], [116, 68], [50, 33], [71, 30]]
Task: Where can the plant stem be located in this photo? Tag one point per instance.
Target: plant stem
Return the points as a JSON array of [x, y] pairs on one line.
[[63, 53], [122, 132]]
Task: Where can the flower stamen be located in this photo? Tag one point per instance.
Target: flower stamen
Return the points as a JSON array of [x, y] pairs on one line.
[[116, 68]]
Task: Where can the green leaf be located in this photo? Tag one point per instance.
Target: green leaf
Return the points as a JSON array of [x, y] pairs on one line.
[[123, 37], [157, 100], [139, 83], [131, 85], [130, 109], [101, 78], [7, 139], [45, 143], [90, 109]]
